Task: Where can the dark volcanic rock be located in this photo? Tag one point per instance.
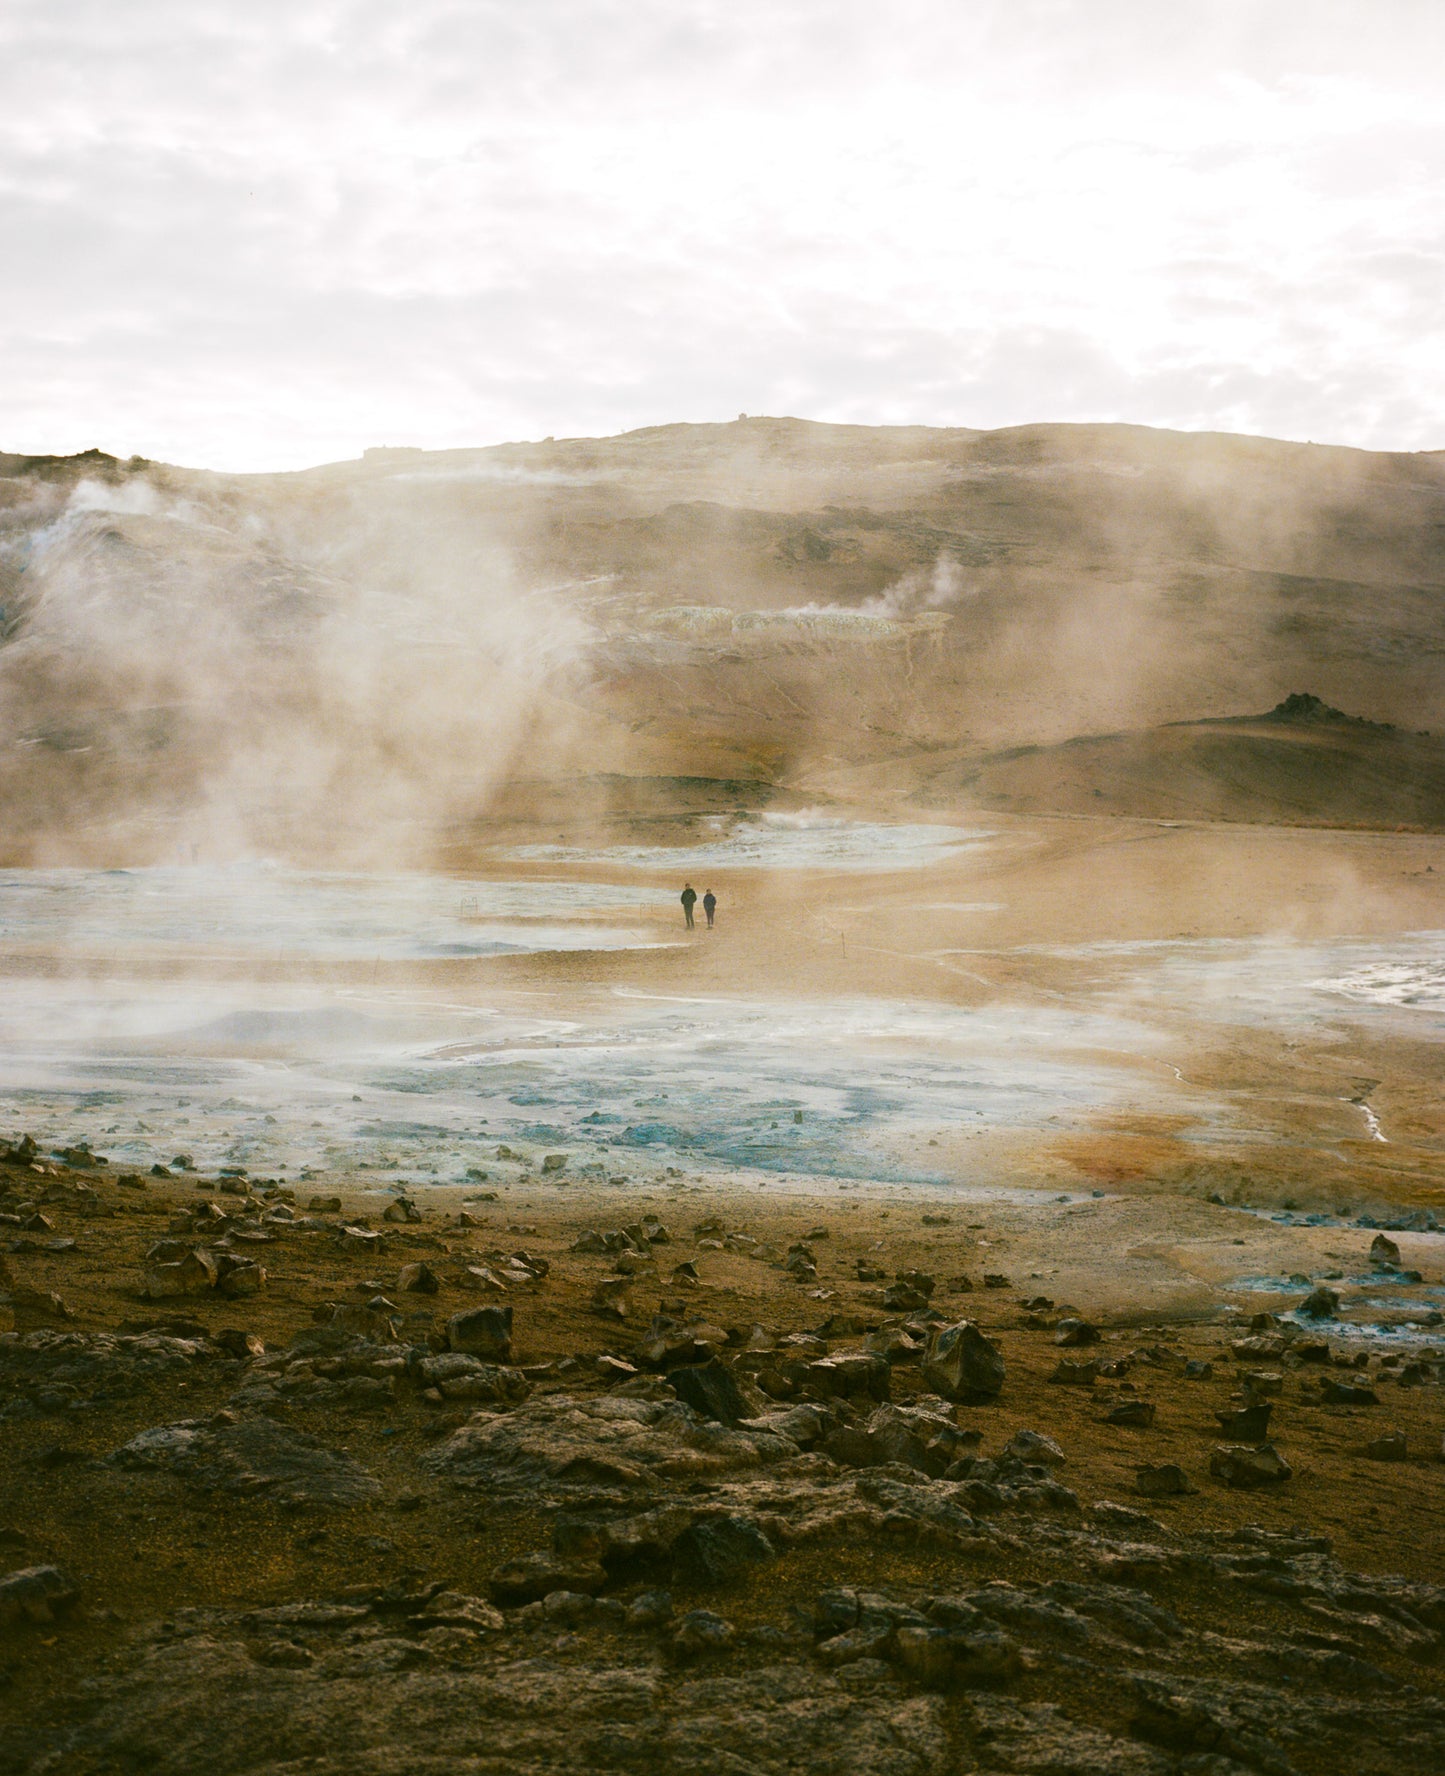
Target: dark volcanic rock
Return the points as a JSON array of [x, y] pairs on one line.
[[36, 1594], [720, 1550], [712, 1390], [250, 1455], [1249, 1425], [961, 1364], [1167, 1480], [482, 1332], [1249, 1465]]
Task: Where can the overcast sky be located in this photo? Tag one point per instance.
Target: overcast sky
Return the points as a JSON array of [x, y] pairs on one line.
[[265, 233]]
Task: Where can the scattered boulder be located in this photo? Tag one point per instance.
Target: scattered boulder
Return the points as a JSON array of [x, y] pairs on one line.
[[1347, 1393], [1075, 1372], [720, 1550], [713, 1391], [1072, 1331], [961, 1364], [1321, 1304], [1249, 1424], [458, 1376], [239, 1278], [612, 1298], [1136, 1414], [846, 1374], [531, 1577], [192, 1274], [36, 1595], [1249, 1465], [1164, 1480], [699, 1634], [482, 1332], [418, 1279], [1034, 1447]]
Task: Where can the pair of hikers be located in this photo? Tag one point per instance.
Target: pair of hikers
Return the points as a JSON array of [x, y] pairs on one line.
[[689, 901]]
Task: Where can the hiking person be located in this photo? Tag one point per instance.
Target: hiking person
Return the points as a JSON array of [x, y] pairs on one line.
[[709, 906], [689, 900]]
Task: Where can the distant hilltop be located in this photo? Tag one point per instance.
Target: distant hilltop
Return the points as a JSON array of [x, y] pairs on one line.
[[389, 647]]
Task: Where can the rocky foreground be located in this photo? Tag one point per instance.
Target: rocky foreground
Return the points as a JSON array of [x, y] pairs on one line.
[[302, 1482]]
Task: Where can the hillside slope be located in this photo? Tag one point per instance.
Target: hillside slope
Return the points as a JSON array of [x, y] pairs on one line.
[[382, 647], [1303, 763]]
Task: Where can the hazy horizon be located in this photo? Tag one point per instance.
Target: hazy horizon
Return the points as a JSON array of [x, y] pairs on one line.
[[268, 237]]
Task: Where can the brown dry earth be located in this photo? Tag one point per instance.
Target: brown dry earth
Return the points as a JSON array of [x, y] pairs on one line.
[[1019, 1614]]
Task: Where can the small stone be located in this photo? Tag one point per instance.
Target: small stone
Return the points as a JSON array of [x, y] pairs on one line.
[[531, 1577], [403, 1209], [36, 1594], [612, 1368], [1137, 1414], [240, 1279], [1245, 1465], [1075, 1372], [701, 1634], [1347, 1393], [281, 1655], [324, 1205], [236, 1343], [1249, 1425], [612, 1297], [900, 1298], [419, 1279], [458, 1609], [554, 1162], [1384, 1253], [1073, 1331], [1391, 1447], [567, 1608], [1166, 1480], [191, 1275], [650, 1609], [1033, 1446], [1320, 1304]]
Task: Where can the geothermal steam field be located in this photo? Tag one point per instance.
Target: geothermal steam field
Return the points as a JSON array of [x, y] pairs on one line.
[[979, 1307]]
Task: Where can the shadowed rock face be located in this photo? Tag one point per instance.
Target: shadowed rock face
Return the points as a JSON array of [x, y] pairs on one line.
[[405, 641], [921, 1684]]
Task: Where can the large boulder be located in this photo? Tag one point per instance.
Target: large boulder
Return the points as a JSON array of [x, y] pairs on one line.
[[961, 1364], [713, 1391], [482, 1332]]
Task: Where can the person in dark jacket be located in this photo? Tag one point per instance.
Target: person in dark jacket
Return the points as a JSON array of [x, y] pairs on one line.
[[709, 906], [689, 900]]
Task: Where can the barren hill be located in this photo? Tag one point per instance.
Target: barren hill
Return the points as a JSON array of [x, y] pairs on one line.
[[1301, 763], [397, 645]]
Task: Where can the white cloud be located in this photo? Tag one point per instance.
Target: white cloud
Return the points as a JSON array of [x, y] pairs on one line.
[[271, 233]]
